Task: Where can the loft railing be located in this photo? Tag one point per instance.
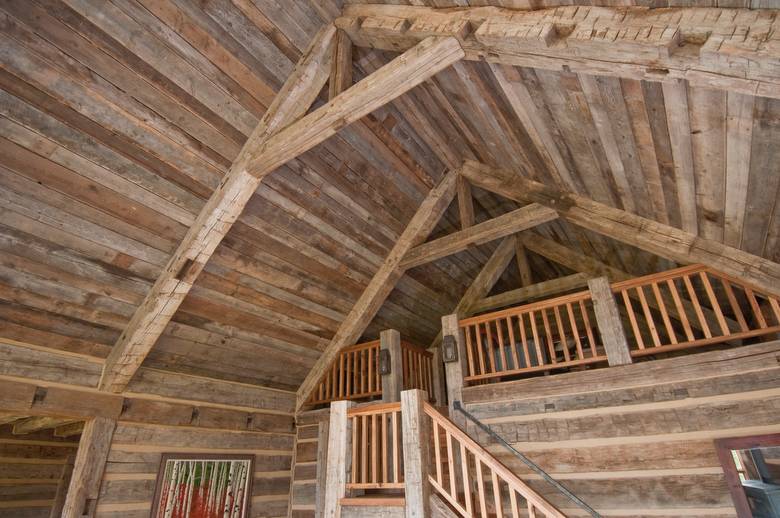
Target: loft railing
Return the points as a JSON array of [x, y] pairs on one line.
[[550, 334], [473, 481], [377, 449], [692, 307], [680, 309], [354, 374], [417, 368]]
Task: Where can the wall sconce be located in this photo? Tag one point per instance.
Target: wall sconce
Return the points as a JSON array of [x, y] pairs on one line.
[[384, 361], [449, 349]]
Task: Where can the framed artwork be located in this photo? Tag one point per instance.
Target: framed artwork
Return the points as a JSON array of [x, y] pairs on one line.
[[203, 486]]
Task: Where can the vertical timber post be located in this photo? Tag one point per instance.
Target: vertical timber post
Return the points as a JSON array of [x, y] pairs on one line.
[[609, 322], [456, 369], [322, 468], [392, 383], [339, 458], [88, 468], [439, 387], [416, 449]]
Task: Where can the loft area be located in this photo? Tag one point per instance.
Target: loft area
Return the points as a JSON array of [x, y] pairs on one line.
[[340, 258]]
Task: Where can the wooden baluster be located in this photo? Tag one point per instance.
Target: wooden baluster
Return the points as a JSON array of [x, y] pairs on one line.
[[464, 467], [374, 449], [437, 450], [363, 448], [537, 345], [490, 347], [775, 308], [588, 328], [348, 362], [648, 316], [664, 313], [354, 476], [469, 349], [396, 455], [481, 489], [681, 310], [632, 318], [756, 308], [497, 495], [561, 334], [575, 331], [548, 333], [342, 381], [503, 356], [480, 352], [513, 503], [531, 510], [697, 306], [512, 342], [735, 307], [524, 340], [384, 454], [451, 465], [724, 327], [371, 385]]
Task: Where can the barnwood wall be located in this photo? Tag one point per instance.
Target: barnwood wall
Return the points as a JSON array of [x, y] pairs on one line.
[[31, 466], [636, 440], [304, 485], [159, 413]]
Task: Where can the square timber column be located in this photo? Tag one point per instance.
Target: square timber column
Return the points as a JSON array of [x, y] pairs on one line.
[[609, 322], [339, 458], [416, 442], [453, 353], [392, 382]]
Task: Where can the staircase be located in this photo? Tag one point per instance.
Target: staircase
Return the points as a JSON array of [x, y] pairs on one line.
[[384, 459]]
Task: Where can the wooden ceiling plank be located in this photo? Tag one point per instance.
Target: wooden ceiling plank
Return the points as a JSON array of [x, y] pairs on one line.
[[507, 224], [619, 42], [215, 219], [383, 282], [648, 235]]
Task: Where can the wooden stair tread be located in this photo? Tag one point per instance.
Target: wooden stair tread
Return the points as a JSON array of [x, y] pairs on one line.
[[379, 501]]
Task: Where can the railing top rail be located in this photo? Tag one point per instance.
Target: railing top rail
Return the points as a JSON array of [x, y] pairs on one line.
[[416, 348], [525, 308], [359, 347], [377, 408], [658, 277], [487, 459]]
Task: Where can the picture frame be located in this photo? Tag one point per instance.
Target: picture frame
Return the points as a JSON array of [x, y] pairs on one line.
[[203, 486]]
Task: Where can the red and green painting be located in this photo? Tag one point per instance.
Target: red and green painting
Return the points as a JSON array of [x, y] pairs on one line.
[[205, 487]]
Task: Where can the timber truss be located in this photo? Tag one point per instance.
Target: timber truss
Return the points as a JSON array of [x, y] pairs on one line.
[[732, 49]]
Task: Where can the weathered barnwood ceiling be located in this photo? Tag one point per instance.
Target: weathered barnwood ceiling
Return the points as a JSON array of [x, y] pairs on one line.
[[119, 118]]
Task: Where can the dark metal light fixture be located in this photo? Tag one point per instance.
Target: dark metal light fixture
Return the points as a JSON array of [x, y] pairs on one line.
[[384, 361], [449, 349]]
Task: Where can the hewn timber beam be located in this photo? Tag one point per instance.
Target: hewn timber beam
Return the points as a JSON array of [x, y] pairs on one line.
[[734, 49], [276, 140], [651, 236], [215, 219], [38, 423], [420, 62], [533, 291], [384, 280], [504, 225], [484, 281]]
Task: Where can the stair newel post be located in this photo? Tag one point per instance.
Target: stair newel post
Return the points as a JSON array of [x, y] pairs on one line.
[[390, 353], [416, 428], [609, 322], [339, 457], [322, 468], [453, 353]]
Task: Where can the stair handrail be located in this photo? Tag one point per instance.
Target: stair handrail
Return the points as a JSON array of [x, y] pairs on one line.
[[525, 460], [535, 500]]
